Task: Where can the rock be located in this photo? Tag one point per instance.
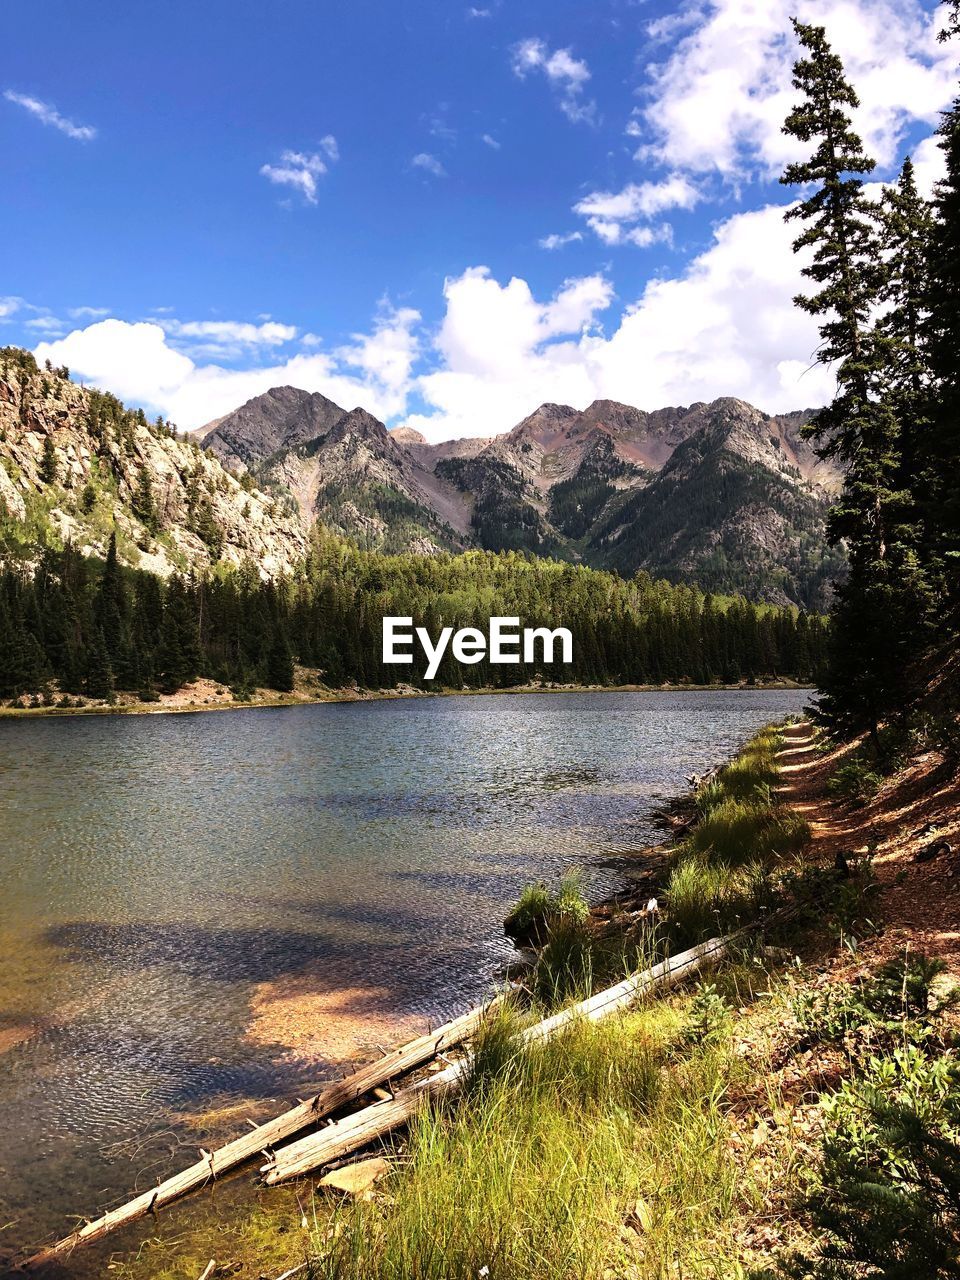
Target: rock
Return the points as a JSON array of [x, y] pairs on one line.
[[357, 1180], [117, 454], [936, 849]]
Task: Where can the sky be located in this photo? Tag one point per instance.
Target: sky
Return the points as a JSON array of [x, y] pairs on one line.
[[447, 213]]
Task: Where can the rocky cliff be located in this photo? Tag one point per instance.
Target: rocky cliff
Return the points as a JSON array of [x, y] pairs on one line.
[[76, 465]]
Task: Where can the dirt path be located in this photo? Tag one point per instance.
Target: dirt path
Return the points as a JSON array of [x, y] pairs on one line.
[[916, 808]]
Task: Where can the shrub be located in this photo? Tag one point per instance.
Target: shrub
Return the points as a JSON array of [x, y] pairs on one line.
[[888, 1200], [856, 781]]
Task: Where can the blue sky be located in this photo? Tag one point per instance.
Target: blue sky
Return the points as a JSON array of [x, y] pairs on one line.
[[446, 212]]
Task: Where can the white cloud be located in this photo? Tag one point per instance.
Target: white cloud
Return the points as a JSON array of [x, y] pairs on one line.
[[270, 334], [726, 326], [610, 213], [568, 75], [430, 164], [640, 199], [556, 241], [137, 362], [45, 324], [719, 100], [225, 339], [479, 13], [300, 169], [929, 164], [9, 306], [490, 141], [438, 127], [386, 356], [47, 113], [93, 313]]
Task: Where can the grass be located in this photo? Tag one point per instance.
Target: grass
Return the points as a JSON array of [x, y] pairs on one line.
[[604, 1152], [538, 906], [724, 871], [573, 1158]]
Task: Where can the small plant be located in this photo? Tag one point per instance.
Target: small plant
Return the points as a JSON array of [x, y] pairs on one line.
[[899, 1004], [708, 1016], [888, 1200], [855, 781]]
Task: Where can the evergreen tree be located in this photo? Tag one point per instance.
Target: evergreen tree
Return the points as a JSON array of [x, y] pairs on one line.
[[860, 427], [99, 677], [48, 462], [143, 504], [280, 663], [941, 475]]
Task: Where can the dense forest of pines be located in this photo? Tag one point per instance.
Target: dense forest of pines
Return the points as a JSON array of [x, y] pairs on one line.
[[886, 278], [94, 628]]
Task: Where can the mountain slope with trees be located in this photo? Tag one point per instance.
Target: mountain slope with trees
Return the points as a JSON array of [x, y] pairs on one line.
[[75, 626], [77, 466], [590, 486]]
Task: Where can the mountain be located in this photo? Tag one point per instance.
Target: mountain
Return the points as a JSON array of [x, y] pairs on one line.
[[281, 419], [75, 465], [720, 493], [343, 468]]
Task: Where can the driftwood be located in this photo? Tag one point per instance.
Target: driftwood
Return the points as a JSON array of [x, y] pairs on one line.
[[263, 1137], [357, 1130]]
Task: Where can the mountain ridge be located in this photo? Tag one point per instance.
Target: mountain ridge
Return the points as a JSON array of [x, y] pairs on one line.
[[717, 493], [590, 485]]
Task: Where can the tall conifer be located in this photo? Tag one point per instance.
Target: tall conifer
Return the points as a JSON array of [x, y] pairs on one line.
[[942, 455], [861, 428]]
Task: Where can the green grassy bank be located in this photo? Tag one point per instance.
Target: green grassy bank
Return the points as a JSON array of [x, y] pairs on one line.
[[789, 1115]]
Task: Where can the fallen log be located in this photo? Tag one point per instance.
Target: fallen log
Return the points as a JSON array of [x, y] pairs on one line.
[[363, 1127], [263, 1137]]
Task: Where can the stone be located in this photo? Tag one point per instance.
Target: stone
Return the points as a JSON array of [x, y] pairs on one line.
[[357, 1180]]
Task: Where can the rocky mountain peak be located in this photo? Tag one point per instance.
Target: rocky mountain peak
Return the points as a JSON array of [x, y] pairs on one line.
[[281, 418], [408, 436]]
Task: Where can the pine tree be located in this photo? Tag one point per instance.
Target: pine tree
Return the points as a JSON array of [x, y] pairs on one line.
[[860, 427], [941, 473], [143, 504], [99, 677], [48, 462], [280, 662]]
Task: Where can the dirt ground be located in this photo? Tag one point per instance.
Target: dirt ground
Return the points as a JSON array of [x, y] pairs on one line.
[[916, 809]]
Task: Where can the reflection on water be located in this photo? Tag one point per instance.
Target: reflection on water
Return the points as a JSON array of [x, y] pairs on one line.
[[162, 873]]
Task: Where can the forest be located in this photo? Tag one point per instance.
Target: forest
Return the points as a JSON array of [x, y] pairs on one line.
[[884, 269], [82, 627]]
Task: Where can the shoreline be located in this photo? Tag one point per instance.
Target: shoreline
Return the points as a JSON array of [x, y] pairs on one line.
[[180, 706]]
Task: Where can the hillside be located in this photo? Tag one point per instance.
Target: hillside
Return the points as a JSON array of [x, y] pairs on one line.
[[75, 465], [720, 493]]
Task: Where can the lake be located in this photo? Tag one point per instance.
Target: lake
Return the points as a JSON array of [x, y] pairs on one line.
[[213, 906]]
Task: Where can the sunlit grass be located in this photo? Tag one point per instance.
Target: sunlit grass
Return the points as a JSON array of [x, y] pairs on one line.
[[588, 1153]]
